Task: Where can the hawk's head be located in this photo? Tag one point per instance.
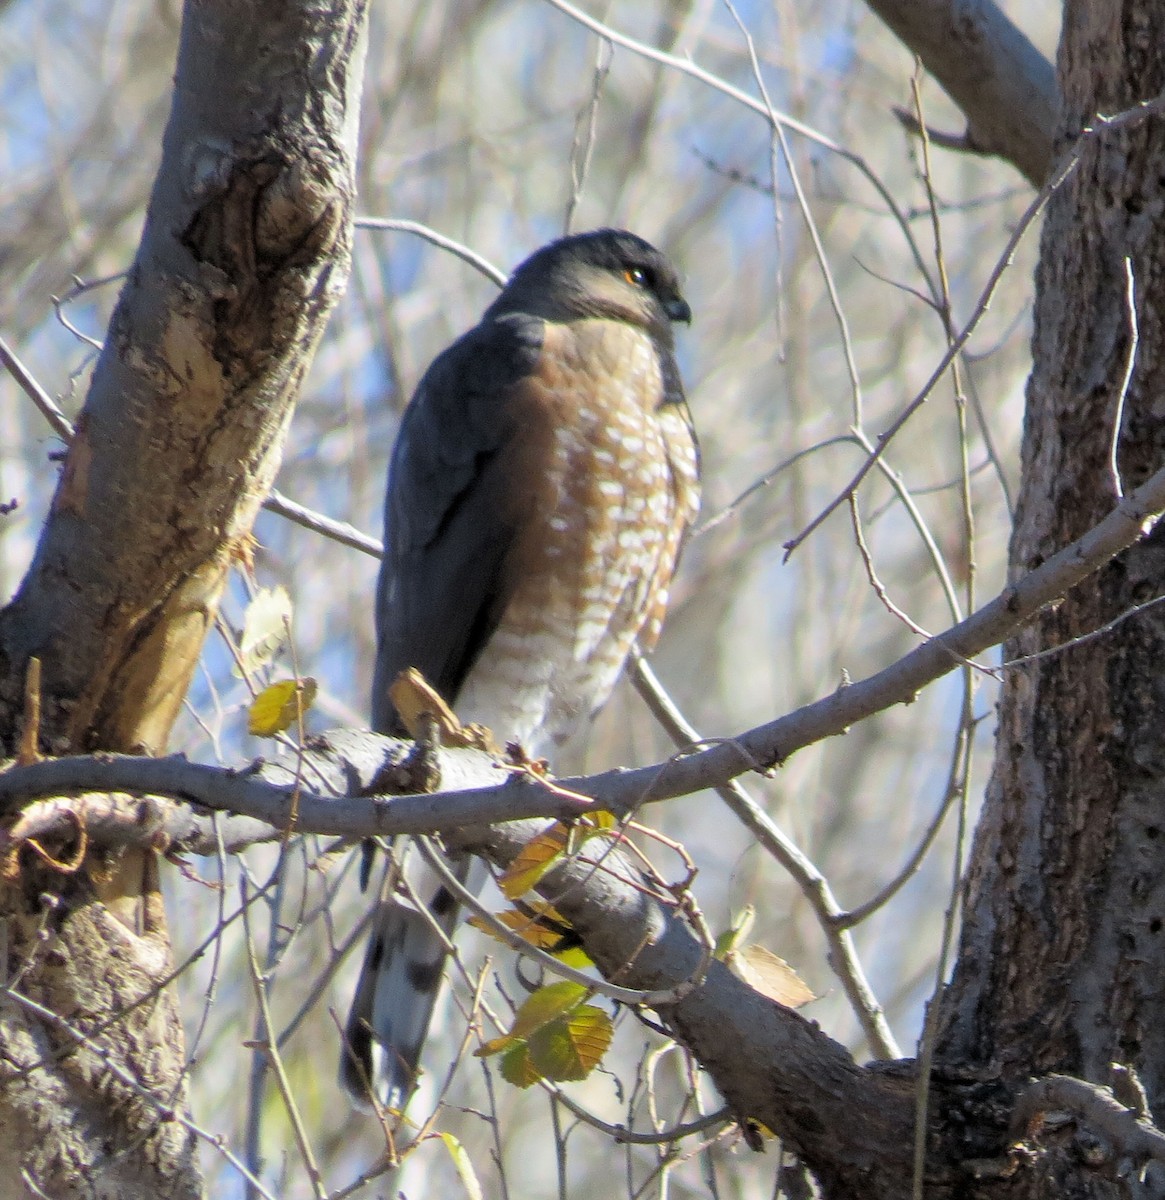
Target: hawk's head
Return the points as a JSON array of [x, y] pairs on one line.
[[607, 273]]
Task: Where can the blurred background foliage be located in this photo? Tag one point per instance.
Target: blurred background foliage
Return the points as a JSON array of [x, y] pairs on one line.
[[496, 123]]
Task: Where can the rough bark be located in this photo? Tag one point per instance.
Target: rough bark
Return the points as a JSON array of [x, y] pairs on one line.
[[1003, 84], [244, 252], [1063, 946]]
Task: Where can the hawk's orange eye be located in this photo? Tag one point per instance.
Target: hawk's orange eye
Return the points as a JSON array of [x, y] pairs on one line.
[[636, 276]]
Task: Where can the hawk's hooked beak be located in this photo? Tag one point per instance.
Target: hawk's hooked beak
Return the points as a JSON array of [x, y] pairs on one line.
[[678, 310]]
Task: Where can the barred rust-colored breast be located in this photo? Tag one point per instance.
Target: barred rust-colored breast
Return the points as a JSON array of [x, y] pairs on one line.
[[606, 484]]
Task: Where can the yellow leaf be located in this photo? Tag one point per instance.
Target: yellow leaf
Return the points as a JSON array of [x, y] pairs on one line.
[[541, 925], [265, 628], [763, 971], [533, 861], [574, 956], [497, 1045], [280, 706]]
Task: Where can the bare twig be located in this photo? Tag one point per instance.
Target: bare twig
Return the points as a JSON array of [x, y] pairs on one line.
[[338, 531], [270, 1050], [462, 251], [686, 67], [57, 419], [1118, 419], [1063, 172], [624, 1136]]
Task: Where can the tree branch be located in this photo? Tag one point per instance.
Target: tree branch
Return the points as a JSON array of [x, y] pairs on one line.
[[273, 797], [1121, 1131], [771, 1064], [1003, 84], [635, 938], [243, 254]]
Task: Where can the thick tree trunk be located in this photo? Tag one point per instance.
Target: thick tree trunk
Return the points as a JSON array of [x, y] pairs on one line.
[[244, 252], [1063, 945]]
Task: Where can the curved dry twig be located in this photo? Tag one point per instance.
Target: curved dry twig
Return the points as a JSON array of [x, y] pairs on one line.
[[624, 1136], [1063, 171], [462, 251]]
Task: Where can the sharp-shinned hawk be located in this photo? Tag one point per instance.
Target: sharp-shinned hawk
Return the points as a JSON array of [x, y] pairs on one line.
[[542, 481]]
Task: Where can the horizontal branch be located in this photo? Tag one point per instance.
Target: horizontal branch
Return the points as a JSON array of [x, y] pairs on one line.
[[355, 763], [118, 821], [473, 790], [1126, 1133]]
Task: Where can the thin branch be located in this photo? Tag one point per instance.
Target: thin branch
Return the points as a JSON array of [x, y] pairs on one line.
[[624, 1136], [253, 793], [1128, 1133], [813, 884], [1066, 168], [956, 782], [338, 531], [585, 134], [1118, 419], [57, 419], [270, 1050], [1091, 636], [461, 250], [276, 502], [686, 67]]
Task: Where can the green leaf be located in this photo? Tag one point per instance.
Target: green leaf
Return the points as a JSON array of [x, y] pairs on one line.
[[734, 937], [571, 1047], [547, 1004], [517, 1067]]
